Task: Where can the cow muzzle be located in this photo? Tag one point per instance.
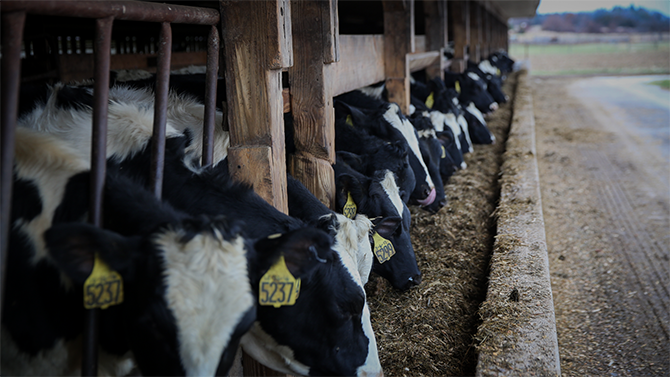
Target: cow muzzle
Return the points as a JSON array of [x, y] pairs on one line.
[[429, 199], [493, 106]]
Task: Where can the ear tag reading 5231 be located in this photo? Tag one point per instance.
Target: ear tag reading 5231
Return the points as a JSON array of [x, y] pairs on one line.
[[350, 208], [430, 101], [104, 287], [349, 120], [278, 287], [444, 152], [458, 87], [383, 248]]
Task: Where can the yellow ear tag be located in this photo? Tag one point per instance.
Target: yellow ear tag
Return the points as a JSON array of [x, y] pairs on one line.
[[349, 121], [430, 101], [383, 248], [458, 87], [278, 287], [104, 287], [444, 152], [350, 208], [498, 71]]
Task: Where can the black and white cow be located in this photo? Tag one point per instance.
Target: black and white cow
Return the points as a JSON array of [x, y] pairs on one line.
[[207, 193], [375, 153], [386, 121], [174, 318], [490, 74], [471, 88], [431, 151], [377, 198]]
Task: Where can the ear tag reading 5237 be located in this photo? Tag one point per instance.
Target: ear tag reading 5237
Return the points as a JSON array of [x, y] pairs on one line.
[[430, 101], [278, 287], [383, 248], [349, 120], [104, 287], [350, 208], [444, 152], [458, 87]]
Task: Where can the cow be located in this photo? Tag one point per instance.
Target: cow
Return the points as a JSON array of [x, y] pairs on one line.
[[386, 121], [376, 154], [471, 88], [431, 151], [207, 190], [489, 74], [377, 198], [174, 318]]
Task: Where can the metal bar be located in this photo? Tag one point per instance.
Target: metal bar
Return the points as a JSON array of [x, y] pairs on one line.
[[210, 96], [102, 45], [12, 34], [160, 109], [120, 10]]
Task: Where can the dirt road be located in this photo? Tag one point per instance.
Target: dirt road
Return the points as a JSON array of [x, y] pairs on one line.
[[604, 174]]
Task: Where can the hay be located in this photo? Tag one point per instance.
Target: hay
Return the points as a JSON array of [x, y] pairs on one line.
[[428, 330]]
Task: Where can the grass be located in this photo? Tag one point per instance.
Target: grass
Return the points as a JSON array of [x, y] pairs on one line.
[[665, 84], [587, 48]]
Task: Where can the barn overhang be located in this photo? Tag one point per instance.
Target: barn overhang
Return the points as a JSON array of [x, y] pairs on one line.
[[506, 9]]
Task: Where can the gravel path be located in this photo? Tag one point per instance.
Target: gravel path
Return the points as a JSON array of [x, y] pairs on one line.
[[606, 205]]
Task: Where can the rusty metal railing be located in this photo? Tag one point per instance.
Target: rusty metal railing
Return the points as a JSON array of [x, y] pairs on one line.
[[105, 13]]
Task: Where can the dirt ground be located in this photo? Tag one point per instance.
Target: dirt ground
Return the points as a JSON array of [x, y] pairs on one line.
[[654, 61], [608, 232]]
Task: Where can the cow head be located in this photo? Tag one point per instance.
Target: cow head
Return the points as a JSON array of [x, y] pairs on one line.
[[330, 303], [374, 196], [178, 318]]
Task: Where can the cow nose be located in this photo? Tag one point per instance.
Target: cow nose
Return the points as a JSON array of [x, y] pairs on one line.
[[414, 280], [494, 106]]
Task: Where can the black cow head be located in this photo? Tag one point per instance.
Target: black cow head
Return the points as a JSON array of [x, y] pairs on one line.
[[373, 197], [178, 319]]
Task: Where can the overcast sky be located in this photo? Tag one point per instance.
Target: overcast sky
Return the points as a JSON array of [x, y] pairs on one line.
[[560, 6]]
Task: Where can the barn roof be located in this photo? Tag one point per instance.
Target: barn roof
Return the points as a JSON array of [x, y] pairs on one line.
[[513, 8]]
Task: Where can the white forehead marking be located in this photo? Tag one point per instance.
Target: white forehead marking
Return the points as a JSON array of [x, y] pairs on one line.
[[372, 366], [473, 76], [454, 101], [406, 128], [348, 241], [208, 291], [373, 91], [486, 67], [391, 188], [437, 118], [466, 130], [453, 124], [412, 109], [475, 111]]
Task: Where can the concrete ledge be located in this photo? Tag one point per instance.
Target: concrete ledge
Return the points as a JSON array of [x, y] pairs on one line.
[[518, 332]]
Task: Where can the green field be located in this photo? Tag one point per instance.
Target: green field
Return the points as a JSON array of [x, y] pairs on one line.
[[588, 48], [665, 84]]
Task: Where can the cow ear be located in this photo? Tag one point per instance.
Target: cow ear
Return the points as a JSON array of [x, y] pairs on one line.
[[347, 183], [303, 249], [351, 159], [387, 226], [73, 247]]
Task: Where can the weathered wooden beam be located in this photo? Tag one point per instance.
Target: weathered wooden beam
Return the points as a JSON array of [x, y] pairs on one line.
[[436, 34], [398, 42], [315, 46], [475, 31], [421, 60], [361, 63], [254, 58], [460, 19]]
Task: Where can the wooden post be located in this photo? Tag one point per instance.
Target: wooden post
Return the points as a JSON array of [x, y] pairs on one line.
[[254, 58], [257, 44], [486, 21], [315, 47], [436, 34], [475, 31], [398, 42], [459, 17]]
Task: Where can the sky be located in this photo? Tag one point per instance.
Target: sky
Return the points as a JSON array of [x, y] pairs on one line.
[[560, 6]]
